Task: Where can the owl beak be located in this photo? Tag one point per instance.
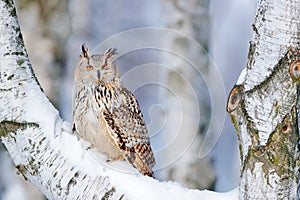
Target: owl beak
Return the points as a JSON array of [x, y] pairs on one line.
[[98, 74]]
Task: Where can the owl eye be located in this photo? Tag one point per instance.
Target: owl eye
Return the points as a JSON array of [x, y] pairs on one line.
[[89, 67]]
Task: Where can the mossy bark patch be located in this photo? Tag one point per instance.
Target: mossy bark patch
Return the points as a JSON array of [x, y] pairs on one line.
[[109, 194], [7, 127]]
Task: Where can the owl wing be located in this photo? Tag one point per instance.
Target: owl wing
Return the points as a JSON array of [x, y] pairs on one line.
[[127, 129]]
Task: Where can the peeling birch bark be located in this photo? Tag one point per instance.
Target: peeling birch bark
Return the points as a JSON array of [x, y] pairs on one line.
[[263, 104]]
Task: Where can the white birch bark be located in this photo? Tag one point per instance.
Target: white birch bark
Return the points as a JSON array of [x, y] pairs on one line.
[[263, 104], [41, 146], [44, 31], [188, 120]]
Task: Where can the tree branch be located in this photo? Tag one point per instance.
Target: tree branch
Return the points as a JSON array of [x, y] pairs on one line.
[[41, 146]]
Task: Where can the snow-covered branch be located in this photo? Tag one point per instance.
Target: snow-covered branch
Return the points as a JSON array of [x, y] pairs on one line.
[[263, 104], [41, 145]]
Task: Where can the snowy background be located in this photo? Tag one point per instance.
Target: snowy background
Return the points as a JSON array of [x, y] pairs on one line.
[[173, 80]]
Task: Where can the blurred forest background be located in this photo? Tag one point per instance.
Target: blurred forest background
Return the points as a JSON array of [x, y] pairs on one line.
[[54, 31]]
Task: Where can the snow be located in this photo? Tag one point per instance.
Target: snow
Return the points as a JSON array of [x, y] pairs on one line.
[[126, 179], [37, 106], [148, 188], [242, 77]]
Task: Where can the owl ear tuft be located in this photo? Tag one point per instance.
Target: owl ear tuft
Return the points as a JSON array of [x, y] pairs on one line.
[[85, 51], [110, 52]]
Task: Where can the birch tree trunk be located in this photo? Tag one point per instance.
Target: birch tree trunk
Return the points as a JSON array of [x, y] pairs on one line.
[[44, 37], [263, 105], [192, 18]]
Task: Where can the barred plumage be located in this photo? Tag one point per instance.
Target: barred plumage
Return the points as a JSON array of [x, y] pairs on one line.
[[107, 114]]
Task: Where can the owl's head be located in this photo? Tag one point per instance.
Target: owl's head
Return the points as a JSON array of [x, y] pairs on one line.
[[94, 68]]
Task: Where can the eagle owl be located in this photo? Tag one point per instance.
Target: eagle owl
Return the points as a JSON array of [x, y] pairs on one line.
[[107, 115]]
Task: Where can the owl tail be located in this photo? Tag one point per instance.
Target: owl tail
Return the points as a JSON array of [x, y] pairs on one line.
[[144, 168], [143, 162]]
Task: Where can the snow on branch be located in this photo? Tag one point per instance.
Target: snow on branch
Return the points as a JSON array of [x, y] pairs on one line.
[[42, 147]]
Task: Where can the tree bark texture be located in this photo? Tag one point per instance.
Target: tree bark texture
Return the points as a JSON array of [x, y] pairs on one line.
[[192, 18], [263, 105]]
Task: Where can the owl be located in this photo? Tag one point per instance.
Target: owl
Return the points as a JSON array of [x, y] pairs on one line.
[[107, 114]]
